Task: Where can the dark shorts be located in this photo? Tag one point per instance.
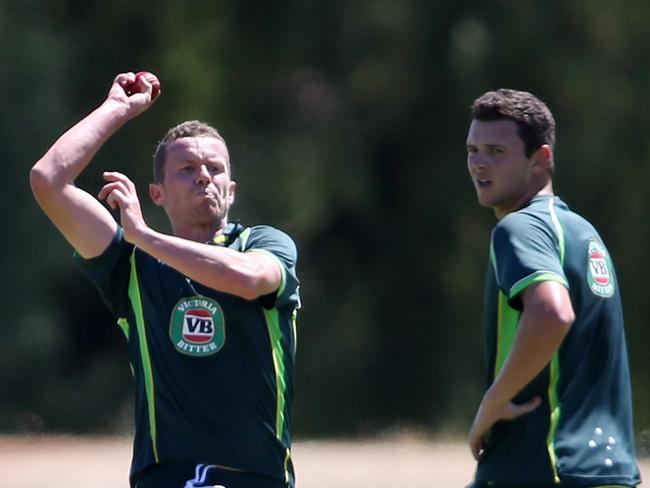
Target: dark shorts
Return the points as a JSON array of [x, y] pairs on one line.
[[552, 485], [202, 476]]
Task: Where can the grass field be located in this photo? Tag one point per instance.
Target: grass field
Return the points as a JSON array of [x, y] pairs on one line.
[[71, 462]]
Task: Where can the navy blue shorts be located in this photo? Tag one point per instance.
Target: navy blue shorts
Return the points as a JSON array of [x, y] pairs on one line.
[[201, 476], [552, 485]]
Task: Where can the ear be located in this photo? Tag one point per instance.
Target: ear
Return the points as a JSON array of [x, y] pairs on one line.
[[157, 193], [543, 158], [232, 188]]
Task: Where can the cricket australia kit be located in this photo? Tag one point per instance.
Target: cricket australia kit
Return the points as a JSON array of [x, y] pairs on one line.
[[581, 435], [213, 371]]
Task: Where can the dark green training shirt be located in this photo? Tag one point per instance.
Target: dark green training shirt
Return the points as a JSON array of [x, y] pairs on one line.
[[213, 371], [582, 433]]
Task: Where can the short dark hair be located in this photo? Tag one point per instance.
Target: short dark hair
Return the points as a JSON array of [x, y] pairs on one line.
[[189, 128], [535, 123]]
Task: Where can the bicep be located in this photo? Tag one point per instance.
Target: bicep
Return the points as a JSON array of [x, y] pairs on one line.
[[85, 223]]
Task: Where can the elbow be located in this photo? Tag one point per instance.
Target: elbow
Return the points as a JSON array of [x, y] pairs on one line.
[[254, 289], [40, 180], [566, 320], [255, 286], [45, 182], [248, 294], [562, 319], [555, 321], [247, 289], [550, 304], [251, 276]]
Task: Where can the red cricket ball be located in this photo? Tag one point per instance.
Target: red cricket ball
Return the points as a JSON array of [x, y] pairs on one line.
[[151, 78]]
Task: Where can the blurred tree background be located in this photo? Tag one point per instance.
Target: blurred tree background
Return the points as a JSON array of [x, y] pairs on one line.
[[346, 124]]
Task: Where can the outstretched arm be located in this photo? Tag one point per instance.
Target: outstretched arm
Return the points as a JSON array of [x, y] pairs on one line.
[[83, 221], [245, 274], [546, 318]]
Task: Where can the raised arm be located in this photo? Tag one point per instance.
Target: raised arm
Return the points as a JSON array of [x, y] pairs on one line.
[[80, 217], [546, 318]]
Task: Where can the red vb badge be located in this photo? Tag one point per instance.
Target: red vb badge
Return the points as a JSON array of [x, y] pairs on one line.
[[599, 273], [196, 327]]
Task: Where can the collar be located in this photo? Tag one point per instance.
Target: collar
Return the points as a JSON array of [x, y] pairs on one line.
[[539, 198], [229, 234]]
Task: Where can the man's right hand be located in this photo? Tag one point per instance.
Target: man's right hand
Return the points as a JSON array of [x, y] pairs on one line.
[[134, 92]]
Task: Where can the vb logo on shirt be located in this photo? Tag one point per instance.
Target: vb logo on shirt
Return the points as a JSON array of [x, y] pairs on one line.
[[197, 327], [599, 270]]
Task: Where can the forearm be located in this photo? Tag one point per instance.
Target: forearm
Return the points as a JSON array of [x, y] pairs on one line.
[[546, 319], [248, 275], [72, 152], [539, 335]]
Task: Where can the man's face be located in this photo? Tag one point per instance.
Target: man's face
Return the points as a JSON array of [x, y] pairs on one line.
[[197, 190], [501, 172]]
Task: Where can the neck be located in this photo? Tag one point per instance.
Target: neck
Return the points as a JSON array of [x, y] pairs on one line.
[[546, 189], [200, 233]]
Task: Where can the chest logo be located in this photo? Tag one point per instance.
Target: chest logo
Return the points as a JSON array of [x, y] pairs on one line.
[[196, 326], [599, 270]]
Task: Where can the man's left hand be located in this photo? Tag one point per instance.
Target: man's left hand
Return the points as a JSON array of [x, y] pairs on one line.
[[120, 193], [489, 413]]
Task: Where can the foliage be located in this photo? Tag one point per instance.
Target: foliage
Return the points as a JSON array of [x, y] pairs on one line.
[[346, 124]]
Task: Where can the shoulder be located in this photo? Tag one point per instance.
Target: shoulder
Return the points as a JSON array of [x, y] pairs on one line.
[[540, 213], [267, 233], [271, 239], [529, 230], [262, 229], [521, 223]]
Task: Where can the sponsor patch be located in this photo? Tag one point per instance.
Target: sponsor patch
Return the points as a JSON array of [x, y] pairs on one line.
[[196, 326], [599, 270]]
